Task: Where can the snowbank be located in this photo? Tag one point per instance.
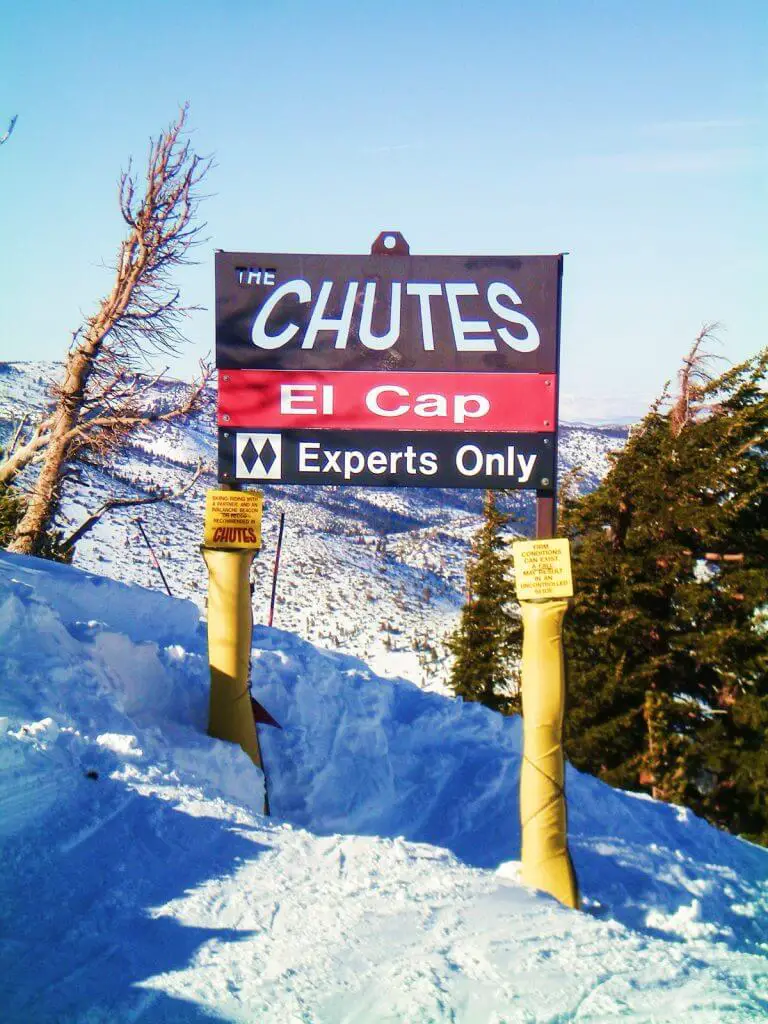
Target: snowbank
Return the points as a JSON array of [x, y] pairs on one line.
[[140, 881]]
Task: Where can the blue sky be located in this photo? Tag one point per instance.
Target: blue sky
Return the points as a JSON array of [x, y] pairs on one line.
[[629, 134]]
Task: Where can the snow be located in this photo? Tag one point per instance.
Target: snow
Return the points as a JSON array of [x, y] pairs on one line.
[[141, 881], [376, 573]]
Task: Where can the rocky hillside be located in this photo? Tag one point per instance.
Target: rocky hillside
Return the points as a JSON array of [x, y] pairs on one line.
[[372, 572]]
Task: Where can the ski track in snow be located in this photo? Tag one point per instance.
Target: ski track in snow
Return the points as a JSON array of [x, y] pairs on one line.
[[141, 883]]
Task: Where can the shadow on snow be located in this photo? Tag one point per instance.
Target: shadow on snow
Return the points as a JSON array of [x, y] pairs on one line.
[[136, 853]]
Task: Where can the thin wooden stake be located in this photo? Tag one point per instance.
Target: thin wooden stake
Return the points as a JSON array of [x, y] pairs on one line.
[[153, 556], [275, 569]]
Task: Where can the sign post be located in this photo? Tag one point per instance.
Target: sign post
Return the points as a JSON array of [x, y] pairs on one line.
[[544, 583], [546, 496], [232, 537], [398, 370]]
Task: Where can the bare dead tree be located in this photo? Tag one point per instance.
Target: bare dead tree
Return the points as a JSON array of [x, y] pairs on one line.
[[100, 400], [9, 132], [693, 378]]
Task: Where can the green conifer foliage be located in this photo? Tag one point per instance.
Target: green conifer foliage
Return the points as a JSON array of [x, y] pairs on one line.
[[667, 642], [12, 508], [11, 511], [487, 643]]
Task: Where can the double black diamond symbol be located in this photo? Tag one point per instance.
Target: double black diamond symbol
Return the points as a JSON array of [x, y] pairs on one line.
[[251, 456], [258, 456]]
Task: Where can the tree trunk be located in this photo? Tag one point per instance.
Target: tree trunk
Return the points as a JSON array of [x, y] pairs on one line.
[[45, 494], [42, 502], [652, 763]]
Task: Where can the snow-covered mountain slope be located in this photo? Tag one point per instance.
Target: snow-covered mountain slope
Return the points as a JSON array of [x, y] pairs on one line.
[[141, 883], [374, 573]]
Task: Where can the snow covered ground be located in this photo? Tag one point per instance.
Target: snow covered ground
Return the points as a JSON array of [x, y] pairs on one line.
[[374, 573], [140, 881]]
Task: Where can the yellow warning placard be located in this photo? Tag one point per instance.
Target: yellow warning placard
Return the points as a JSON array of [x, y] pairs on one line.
[[542, 569], [233, 519]]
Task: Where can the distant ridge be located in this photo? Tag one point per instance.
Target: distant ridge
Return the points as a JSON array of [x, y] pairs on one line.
[[619, 422]]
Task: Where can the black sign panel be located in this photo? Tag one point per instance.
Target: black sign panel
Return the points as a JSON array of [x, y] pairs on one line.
[[379, 458], [387, 312]]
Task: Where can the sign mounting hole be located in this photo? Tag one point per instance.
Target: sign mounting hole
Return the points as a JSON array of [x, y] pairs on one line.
[[390, 243]]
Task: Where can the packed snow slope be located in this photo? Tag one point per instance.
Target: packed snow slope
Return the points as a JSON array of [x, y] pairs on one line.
[[140, 881]]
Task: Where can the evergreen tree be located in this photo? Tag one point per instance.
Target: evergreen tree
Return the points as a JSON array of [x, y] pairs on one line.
[[666, 641], [487, 644]]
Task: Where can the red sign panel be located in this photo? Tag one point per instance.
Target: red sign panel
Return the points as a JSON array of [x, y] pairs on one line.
[[387, 401]]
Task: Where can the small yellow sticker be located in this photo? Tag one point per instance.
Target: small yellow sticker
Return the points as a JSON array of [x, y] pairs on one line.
[[233, 519], [542, 569]]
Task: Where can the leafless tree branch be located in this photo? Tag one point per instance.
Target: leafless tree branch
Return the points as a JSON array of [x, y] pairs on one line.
[[114, 503], [22, 455], [693, 379], [17, 434]]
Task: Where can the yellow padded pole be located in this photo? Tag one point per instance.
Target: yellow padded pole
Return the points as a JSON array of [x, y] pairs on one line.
[[230, 628], [546, 861]]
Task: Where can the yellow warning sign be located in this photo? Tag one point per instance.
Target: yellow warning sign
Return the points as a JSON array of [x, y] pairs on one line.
[[542, 569], [233, 519]]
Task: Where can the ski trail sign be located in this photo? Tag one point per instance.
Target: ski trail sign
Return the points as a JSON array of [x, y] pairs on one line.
[[388, 370]]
